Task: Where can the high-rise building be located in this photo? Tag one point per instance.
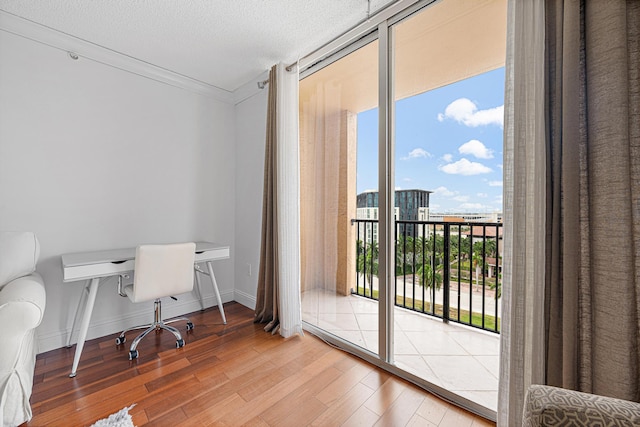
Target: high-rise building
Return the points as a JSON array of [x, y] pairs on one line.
[[411, 204]]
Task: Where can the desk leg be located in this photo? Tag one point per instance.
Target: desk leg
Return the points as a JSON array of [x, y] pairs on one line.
[[84, 327], [215, 289], [199, 288], [81, 299]]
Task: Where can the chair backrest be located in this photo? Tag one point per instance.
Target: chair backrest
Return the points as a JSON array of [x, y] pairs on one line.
[[163, 270], [19, 252]]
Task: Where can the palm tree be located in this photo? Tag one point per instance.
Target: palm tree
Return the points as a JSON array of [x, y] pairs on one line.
[[367, 260], [478, 259], [465, 247], [477, 263], [429, 259], [434, 248], [428, 277], [404, 255], [498, 282], [491, 248]]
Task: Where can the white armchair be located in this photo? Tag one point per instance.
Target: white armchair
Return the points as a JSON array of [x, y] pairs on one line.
[[22, 303]]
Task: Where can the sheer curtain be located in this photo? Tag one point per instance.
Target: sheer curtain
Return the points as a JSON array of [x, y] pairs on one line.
[[278, 294], [522, 328]]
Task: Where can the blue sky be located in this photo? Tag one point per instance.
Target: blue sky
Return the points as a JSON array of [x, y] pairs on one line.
[[448, 140]]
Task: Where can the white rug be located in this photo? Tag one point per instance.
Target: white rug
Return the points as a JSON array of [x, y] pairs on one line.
[[119, 419]]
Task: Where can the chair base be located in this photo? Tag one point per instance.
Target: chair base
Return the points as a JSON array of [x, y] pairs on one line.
[[157, 324]]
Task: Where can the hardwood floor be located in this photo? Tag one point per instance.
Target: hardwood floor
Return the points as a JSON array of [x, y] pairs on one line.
[[230, 375]]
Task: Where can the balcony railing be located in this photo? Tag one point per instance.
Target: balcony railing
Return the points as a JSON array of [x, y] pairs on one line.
[[450, 270]]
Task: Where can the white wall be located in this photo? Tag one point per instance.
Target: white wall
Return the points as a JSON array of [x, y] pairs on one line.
[[251, 118], [93, 157]]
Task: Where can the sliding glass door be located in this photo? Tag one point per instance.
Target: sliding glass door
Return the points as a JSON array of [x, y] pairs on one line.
[[338, 191], [401, 172], [448, 95]]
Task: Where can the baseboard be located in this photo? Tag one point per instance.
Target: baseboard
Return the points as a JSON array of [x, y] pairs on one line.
[[58, 339], [245, 299]]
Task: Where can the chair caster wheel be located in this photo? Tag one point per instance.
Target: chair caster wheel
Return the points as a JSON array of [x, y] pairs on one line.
[[133, 354], [121, 340], [179, 343], [189, 326]]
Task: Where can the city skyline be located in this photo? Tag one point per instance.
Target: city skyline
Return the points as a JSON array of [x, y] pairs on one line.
[[448, 141]]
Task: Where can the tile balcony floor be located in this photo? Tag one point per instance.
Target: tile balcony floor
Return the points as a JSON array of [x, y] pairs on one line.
[[455, 357]]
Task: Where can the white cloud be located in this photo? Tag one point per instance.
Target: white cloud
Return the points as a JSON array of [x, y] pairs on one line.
[[483, 195], [447, 158], [398, 188], [476, 149], [407, 179], [465, 111], [465, 167], [417, 153], [444, 191], [461, 198], [495, 183], [499, 166]]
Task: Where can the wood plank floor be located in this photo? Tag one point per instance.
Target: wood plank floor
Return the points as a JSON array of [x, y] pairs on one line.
[[230, 375]]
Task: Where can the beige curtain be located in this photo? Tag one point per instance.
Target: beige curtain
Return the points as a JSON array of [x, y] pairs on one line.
[[278, 296], [267, 293], [593, 203], [585, 303]]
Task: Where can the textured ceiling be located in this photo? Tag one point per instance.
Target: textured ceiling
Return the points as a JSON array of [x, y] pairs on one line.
[[224, 43]]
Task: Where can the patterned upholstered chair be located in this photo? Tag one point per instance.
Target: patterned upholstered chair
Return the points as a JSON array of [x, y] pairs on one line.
[[551, 406]]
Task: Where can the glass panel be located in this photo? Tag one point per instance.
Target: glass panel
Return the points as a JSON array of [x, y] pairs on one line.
[[449, 98], [338, 195]]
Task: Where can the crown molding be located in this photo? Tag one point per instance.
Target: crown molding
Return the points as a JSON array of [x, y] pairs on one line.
[[39, 33], [250, 88]]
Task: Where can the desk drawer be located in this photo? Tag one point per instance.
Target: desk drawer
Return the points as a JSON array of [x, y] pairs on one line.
[[212, 255], [80, 272]]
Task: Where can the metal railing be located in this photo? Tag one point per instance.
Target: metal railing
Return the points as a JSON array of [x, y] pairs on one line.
[[450, 270]]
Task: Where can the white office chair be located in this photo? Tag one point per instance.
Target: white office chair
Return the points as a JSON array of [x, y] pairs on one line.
[[160, 271]]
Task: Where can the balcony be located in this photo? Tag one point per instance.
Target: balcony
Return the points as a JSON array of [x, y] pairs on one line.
[[446, 320], [467, 292]]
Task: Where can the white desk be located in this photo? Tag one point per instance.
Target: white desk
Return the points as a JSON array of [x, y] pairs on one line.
[[93, 266]]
